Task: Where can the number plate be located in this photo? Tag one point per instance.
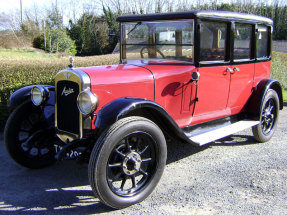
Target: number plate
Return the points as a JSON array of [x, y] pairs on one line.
[[69, 154]]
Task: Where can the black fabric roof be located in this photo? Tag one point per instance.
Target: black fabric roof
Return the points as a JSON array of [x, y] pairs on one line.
[[216, 15]]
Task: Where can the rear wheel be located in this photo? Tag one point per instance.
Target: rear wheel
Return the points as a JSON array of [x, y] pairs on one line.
[[28, 139], [127, 162], [269, 112]]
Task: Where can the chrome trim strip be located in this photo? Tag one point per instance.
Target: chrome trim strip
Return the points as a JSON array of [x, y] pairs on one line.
[[84, 82]]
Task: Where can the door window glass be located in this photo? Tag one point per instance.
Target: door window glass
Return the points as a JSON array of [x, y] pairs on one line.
[[262, 42], [212, 41], [242, 42]]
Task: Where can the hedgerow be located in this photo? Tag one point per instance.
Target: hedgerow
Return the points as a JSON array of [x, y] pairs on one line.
[[17, 73]]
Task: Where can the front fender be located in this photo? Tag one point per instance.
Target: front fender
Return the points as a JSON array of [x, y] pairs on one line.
[[259, 93], [23, 94], [125, 107]]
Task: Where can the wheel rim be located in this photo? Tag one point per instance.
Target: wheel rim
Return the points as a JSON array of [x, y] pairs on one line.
[[131, 164], [29, 125], [268, 117]]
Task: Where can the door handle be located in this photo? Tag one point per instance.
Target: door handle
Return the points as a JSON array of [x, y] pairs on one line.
[[236, 69], [230, 70]]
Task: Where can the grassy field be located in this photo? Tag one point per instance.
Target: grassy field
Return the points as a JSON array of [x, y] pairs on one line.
[[24, 54], [19, 68]]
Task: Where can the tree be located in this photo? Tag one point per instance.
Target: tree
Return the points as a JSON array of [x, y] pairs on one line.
[[54, 38], [110, 17]]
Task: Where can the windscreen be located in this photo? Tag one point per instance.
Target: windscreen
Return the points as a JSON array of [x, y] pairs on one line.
[[169, 40]]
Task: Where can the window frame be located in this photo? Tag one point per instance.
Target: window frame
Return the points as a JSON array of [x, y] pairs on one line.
[[230, 39], [269, 42], [229, 43], [251, 44], [226, 43], [227, 58]]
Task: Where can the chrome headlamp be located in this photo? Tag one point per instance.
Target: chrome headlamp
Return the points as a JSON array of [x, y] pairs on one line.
[[39, 94], [87, 102]]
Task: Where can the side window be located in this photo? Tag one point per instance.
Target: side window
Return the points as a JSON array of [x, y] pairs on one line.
[[242, 41], [212, 41], [262, 42]]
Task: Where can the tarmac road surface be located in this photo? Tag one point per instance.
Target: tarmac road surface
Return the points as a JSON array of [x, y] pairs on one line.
[[232, 176]]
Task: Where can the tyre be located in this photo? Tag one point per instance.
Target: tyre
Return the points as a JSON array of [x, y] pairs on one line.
[[127, 162], [27, 139], [269, 113]]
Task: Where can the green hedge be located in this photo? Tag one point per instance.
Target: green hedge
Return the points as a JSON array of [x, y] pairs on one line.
[[17, 73], [279, 68]]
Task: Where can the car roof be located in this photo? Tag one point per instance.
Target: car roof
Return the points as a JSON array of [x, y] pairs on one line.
[[202, 14]]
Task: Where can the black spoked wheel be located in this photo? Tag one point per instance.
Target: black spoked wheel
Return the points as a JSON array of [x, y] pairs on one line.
[[127, 162], [268, 117], [28, 138], [131, 164]]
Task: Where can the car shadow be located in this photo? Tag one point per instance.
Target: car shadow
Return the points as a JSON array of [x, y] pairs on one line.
[[60, 189], [64, 188], [178, 150], [236, 140]]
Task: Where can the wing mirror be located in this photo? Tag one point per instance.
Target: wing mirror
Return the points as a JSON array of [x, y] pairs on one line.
[[111, 35]]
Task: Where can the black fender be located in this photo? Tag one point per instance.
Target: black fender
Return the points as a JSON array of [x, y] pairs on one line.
[[259, 93], [125, 107], [24, 93]]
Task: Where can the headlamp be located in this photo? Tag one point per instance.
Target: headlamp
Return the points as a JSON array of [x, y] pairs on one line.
[[87, 102], [39, 94]]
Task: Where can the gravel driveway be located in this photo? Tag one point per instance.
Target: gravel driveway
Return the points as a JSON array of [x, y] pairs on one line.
[[231, 176]]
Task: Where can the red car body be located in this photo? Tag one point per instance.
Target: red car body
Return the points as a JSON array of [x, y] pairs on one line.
[[168, 84]]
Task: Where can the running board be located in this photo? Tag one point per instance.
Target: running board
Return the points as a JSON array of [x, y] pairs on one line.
[[225, 131]]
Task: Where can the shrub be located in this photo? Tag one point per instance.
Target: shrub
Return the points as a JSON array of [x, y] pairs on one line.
[[56, 41]]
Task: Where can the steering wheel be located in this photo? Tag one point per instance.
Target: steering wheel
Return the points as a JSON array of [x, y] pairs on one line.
[[146, 47]]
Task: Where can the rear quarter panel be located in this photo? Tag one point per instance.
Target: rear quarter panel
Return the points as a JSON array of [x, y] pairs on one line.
[[262, 71]]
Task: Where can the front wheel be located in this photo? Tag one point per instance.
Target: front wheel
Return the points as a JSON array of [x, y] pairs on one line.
[[269, 112], [127, 162]]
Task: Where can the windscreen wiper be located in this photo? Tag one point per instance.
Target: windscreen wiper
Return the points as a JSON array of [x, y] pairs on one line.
[[139, 23]]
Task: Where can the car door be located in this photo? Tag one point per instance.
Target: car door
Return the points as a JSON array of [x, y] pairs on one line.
[[214, 81], [242, 68]]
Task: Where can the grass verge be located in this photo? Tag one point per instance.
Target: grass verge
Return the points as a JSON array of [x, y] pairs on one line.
[[285, 95]]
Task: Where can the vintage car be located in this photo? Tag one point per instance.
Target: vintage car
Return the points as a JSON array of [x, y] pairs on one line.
[[193, 76]]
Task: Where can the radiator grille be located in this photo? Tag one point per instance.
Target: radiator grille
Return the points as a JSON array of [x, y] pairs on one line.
[[67, 110]]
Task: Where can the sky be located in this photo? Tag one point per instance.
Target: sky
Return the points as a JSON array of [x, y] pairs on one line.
[[6, 5]]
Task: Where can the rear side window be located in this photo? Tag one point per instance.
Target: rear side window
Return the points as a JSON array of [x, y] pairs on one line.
[[242, 41], [262, 42], [212, 41]]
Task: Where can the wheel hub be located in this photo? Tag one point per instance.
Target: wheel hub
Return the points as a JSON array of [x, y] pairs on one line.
[[132, 163]]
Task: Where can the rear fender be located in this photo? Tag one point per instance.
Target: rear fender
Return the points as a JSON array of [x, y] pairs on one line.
[[24, 94], [259, 93]]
